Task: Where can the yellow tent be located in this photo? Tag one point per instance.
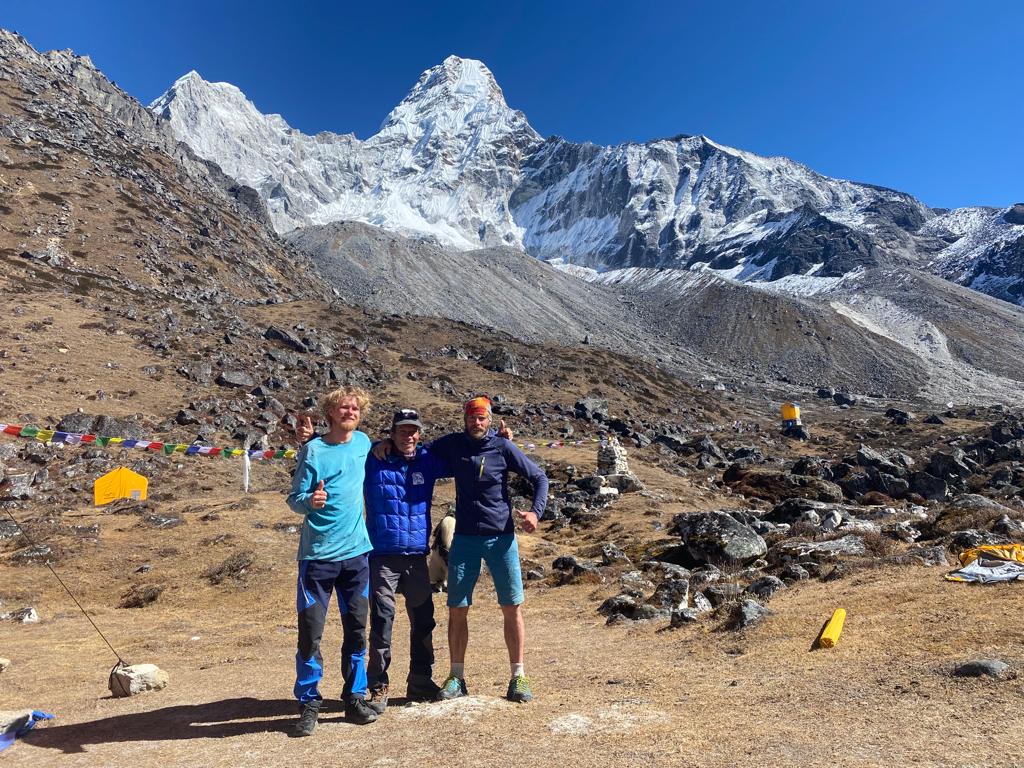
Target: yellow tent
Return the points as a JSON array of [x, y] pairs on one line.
[[120, 483]]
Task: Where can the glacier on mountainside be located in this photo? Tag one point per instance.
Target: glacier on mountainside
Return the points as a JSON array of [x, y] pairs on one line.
[[453, 163]]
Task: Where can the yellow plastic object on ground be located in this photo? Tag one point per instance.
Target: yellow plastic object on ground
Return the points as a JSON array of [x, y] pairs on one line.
[[120, 483], [834, 628], [791, 412]]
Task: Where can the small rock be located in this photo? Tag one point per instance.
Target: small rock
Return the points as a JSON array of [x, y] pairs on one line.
[[719, 594], [137, 678], [765, 587], [844, 398], [683, 616], [162, 521], [701, 604], [750, 613], [1000, 670], [4, 664], [236, 379], [794, 572], [612, 554]]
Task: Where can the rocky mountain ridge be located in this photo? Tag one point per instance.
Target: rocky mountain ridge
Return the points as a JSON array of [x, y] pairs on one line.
[[103, 194], [455, 164]]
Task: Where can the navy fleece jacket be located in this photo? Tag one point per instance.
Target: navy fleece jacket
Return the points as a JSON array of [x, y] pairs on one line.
[[480, 468]]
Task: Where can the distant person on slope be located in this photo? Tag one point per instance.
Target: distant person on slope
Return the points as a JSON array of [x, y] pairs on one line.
[[327, 489], [480, 461]]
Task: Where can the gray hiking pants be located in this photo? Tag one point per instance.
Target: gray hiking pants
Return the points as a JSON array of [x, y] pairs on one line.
[[406, 575]]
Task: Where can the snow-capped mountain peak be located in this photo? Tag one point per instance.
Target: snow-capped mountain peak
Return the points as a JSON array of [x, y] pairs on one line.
[[455, 163], [443, 164]]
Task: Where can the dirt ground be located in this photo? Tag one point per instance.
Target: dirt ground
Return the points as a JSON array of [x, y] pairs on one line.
[[622, 695]]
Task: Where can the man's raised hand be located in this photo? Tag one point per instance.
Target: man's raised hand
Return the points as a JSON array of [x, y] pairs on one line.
[[319, 497], [528, 520], [504, 431], [304, 428]]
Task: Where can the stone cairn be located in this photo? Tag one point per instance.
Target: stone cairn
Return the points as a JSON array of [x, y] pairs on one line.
[[611, 458]]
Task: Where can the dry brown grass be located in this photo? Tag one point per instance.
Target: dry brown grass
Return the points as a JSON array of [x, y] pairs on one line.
[[625, 695]]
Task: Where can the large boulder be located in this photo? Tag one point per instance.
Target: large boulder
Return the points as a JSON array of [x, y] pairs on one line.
[[286, 336], [773, 485], [500, 360], [105, 426], [591, 409], [928, 486], [671, 595], [1009, 429], [715, 537], [821, 551], [951, 467], [869, 457]]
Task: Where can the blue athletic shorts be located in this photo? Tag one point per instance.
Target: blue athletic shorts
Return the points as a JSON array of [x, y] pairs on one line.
[[501, 553]]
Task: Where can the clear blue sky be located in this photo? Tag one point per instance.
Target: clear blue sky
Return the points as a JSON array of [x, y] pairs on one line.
[[925, 97]]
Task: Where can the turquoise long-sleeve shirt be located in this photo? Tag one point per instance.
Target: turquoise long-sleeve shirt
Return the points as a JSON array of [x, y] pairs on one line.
[[337, 531]]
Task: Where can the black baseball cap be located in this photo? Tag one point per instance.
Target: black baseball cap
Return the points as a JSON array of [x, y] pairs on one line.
[[406, 416]]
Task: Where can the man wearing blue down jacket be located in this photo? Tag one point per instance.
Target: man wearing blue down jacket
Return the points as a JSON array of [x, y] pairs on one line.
[[398, 491]]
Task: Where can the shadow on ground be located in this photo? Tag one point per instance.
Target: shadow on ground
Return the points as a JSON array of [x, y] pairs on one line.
[[212, 720]]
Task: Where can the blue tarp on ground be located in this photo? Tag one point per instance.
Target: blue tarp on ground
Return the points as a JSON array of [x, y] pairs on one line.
[[30, 720]]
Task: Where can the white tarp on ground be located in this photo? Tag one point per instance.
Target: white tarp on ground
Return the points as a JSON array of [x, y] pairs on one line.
[[991, 563]]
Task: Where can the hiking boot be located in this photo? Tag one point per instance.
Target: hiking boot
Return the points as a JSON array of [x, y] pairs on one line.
[[453, 688], [519, 689], [422, 691], [359, 712], [307, 719], [378, 700]]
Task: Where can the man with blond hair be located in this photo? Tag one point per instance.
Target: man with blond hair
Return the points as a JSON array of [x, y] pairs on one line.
[[327, 490]]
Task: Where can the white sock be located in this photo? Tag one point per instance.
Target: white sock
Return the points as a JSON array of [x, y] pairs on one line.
[[459, 670], [518, 669]]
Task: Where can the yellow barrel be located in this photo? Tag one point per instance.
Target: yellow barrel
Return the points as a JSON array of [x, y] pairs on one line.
[[834, 628], [791, 411]]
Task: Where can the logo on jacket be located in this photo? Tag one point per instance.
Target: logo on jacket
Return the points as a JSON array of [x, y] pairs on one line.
[[417, 478]]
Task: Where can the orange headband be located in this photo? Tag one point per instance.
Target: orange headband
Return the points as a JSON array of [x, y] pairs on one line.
[[476, 405]]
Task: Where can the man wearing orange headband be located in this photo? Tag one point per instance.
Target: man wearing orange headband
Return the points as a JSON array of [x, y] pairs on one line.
[[485, 530]]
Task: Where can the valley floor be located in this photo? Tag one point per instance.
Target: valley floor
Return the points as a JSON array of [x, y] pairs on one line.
[[622, 695]]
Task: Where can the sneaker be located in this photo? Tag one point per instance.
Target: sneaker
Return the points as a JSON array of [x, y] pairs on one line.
[[359, 712], [424, 691], [519, 689], [378, 700], [307, 719], [453, 688]]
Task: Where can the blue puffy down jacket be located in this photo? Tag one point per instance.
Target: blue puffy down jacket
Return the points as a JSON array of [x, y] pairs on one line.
[[398, 493]]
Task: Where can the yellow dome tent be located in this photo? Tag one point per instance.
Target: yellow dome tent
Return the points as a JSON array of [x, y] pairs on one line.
[[120, 483]]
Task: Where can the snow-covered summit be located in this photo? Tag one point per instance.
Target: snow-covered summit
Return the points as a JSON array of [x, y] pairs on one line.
[[443, 164], [454, 163], [452, 94]]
